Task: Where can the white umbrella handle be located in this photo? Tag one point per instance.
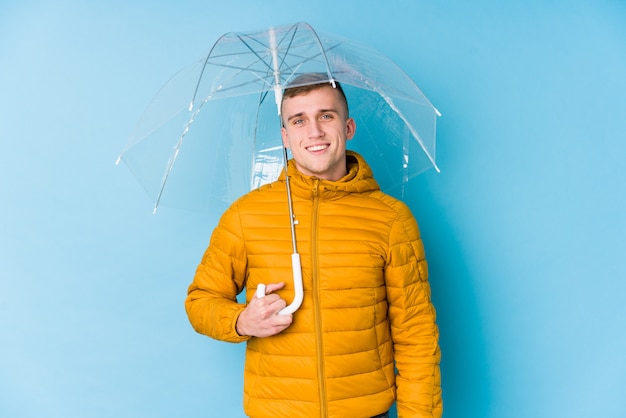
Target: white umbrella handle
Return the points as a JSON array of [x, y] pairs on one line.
[[260, 291], [297, 284]]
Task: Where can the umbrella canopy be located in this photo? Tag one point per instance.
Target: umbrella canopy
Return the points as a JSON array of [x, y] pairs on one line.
[[212, 133]]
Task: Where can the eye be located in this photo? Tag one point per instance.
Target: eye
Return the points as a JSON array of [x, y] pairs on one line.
[[326, 116]]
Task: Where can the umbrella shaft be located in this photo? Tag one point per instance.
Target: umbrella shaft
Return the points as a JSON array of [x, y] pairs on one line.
[[292, 220], [278, 89]]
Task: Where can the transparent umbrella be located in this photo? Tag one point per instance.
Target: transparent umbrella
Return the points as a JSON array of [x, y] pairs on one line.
[[212, 133]]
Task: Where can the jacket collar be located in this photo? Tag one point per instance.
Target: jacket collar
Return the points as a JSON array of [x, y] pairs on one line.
[[358, 180]]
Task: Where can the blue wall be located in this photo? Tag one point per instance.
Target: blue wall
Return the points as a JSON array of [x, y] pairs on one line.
[[524, 226]]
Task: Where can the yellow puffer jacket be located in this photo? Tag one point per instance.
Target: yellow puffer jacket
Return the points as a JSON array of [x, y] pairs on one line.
[[366, 299]]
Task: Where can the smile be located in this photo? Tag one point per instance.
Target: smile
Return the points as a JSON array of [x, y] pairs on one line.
[[317, 147]]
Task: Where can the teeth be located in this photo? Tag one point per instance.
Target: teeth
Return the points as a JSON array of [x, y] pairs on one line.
[[317, 147]]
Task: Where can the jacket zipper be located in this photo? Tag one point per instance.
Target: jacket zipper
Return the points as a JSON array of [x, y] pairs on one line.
[[316, 302]]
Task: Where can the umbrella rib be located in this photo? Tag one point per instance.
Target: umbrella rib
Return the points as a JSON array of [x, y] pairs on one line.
[[293, 31], [244, 68], [414, 132], [289, 37], [254, 52], [241, 69]]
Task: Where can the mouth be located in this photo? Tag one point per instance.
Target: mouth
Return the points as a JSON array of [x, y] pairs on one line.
[[319, 147]]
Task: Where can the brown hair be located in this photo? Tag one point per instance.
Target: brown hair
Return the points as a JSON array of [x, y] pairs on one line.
[[308, 82]]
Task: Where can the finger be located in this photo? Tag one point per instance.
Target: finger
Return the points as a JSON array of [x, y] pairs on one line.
[[283, 320], [277, 304], [269, 306], [273, 286]]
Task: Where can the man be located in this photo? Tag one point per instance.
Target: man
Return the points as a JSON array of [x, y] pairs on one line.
[[366, 308]]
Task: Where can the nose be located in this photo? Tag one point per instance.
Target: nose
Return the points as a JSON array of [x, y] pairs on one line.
[[315, 129]]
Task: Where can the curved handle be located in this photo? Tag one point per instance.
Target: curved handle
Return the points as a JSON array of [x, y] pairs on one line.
[[297, 284]]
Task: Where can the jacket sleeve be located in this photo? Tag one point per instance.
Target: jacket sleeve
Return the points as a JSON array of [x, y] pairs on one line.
[[211, 303], [413, 328]]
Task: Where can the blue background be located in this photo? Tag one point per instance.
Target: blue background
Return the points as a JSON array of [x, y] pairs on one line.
[[524, 227]]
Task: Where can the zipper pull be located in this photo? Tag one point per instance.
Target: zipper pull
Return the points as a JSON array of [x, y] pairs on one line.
[[316, 187]]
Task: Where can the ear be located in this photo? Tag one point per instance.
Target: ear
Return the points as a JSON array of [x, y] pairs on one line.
[[350, 128], [283, 133]]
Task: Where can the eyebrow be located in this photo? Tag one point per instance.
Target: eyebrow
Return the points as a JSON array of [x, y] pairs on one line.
[[299, 114]]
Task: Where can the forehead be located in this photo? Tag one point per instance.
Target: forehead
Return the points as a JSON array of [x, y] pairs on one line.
[[322, 98]]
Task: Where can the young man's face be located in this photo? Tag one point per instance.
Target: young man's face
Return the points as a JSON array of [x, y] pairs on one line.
[[316, 130]]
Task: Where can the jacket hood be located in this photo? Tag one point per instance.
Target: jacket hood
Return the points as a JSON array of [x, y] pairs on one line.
[[359, 179]]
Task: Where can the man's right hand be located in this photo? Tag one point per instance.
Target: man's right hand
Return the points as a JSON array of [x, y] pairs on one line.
[[260, 318]]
